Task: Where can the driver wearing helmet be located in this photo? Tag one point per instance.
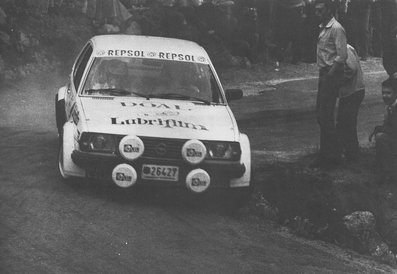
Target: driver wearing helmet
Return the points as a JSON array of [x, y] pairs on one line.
[[114, 74]]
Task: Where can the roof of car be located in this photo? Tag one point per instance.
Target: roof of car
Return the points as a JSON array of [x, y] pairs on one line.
[[148, 46]]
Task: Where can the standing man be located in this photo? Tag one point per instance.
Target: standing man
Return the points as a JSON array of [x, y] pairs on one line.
[[288, 28], [331, 58], [351, 94], [389, 36], [386, 135], [358, 12]]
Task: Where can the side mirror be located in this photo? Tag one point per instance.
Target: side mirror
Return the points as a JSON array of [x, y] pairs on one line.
[[233, 94]]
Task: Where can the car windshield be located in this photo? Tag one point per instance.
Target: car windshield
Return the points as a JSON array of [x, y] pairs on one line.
[[152, 78]]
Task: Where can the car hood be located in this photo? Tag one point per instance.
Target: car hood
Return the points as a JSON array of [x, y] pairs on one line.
[[158, 118]]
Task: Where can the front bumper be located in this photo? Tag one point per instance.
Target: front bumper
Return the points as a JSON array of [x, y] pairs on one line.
[[100, 166]]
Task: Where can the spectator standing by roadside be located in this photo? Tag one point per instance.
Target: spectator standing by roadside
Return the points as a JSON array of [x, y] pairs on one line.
[[386, 135], [248, 34], [351, 94], [357, 25], [375, 21], [331, 57], [265, 19], [310, 33], [288, 28], [389, 40]]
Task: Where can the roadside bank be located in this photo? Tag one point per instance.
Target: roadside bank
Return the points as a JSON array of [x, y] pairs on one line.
[[346, 206]]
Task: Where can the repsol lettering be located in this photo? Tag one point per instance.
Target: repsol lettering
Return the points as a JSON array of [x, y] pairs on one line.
[[176, 56], [126, 53], [169, 123], [153, 105]]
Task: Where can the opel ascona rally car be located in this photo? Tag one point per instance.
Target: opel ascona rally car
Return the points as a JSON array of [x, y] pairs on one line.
[[147, 110]]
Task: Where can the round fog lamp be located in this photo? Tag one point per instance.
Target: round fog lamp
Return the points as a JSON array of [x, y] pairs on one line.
[[194, 152], [124, 175], [131, 147], [198, 180]]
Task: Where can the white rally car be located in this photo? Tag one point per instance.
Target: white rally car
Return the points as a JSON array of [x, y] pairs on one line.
[[147, 110]]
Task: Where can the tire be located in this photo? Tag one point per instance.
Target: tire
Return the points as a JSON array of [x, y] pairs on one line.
[[60, 115], [61, 171]]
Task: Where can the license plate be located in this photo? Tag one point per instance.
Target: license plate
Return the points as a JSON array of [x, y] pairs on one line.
[[157, 172]]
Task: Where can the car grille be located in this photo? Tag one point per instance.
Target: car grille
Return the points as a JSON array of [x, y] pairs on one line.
[[162, 147]]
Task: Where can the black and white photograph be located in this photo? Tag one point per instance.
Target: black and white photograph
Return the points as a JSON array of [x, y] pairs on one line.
[[198, 136]]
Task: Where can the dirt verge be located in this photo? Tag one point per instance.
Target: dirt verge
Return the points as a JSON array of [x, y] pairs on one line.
[[313, 203]]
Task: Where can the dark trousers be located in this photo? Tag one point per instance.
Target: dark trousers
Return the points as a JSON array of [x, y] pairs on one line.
[[288, 30], [346, 124], [386, 154], [358, 30], [325, 111]]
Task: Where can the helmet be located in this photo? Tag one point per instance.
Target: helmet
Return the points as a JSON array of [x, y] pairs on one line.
[[116, 67], [116, 72]]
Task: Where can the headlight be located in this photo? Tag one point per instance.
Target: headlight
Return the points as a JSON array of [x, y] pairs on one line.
[[223, 151], [96, 142]]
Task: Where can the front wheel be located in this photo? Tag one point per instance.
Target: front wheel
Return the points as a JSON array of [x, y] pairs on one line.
[[61, 168]]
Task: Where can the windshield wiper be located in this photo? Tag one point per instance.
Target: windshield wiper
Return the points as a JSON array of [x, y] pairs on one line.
[[178, 96], [114, 92]]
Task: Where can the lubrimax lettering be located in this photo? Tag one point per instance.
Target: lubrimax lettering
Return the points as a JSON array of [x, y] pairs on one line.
[[169, 123]]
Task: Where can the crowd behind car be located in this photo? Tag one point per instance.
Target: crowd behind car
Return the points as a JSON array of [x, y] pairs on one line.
[[233, 32], [257, 31]]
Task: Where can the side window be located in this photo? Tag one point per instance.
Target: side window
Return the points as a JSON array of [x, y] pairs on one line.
[[80, 65]]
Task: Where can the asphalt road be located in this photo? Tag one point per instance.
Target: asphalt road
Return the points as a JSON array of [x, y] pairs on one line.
[[47, 226]]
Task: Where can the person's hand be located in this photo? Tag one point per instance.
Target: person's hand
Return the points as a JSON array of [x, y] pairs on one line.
[[325, 78], [371, 136], [376, 130]]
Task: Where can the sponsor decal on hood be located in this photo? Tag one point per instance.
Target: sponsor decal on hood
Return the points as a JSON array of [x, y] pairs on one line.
[[158, 117], [157, 105], [168, 123]]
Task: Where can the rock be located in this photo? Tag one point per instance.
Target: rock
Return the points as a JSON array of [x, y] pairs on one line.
[[361, 225], [359, 221], [302, 226], [5, 38], [260, 207]]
